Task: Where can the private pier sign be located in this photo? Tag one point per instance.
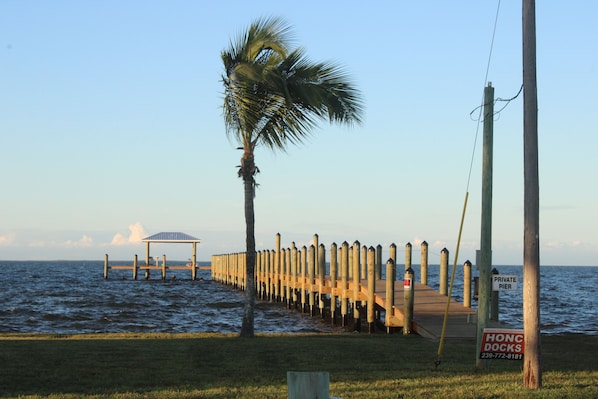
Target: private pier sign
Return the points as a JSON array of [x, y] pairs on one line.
[[501, 282]]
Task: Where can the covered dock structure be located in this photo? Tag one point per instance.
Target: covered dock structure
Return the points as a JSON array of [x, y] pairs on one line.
[[168, 237]]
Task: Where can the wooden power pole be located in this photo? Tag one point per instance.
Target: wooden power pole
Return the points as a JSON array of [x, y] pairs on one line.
[[485, 259], [532, 370]]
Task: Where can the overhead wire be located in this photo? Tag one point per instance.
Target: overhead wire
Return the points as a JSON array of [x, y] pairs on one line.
[[444, 323], [507, 101]]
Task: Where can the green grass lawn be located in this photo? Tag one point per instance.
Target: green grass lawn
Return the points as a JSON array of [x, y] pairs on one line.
[[225, 366]]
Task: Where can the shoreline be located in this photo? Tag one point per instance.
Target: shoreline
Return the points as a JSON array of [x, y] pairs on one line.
[[196, 335]]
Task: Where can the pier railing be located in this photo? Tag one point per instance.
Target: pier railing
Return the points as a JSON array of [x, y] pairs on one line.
[[351, 282]]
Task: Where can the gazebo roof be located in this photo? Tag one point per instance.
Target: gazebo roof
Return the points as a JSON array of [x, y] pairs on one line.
[[171, 236]]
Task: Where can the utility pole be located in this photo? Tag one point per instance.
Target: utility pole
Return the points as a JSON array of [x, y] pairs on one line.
[[532, 370], [485, 261]]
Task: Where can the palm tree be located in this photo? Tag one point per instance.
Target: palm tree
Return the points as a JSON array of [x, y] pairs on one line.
[[274, 96]]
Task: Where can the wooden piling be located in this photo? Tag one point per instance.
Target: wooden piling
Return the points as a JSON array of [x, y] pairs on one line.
[[277, 264], [294, 274], [371, 261], [283, 273], [443, 289], [321, 277], [408, 297], [274, 269], [243, 271], [147, 261], [288, 262], [378, 266], [264, 259], [163, 267], [424, 263], [392, 253], [467, 284], [259, 272], [230, 269], [408, 251], [364, 262], [194, 264], [494, 301], [316, 244], [390, 292], [135, 267], [333, 274], [304, 279], [105, 266], [236, 278], [344, 282], [268, 268], [356, 287], [267, 274], [311, 266]]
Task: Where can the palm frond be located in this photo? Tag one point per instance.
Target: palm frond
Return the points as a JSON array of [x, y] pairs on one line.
[[276, 97]]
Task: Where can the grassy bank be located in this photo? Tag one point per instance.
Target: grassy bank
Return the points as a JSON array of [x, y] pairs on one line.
[[224, 366]]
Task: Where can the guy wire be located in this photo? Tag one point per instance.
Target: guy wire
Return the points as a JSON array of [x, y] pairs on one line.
[[441, 343], [482, 101]]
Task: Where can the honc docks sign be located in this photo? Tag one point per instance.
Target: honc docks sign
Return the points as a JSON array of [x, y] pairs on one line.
[[502, 343]]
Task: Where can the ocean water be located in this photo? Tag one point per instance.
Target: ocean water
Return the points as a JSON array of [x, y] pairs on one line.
[[73, 297], [568, 300], [69, 297]]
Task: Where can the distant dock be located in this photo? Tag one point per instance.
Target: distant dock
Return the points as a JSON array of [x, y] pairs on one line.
[[147, 268]]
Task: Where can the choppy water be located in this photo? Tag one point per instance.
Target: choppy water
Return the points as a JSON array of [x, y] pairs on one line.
[[67, 297], [73, 297], [568, 297]]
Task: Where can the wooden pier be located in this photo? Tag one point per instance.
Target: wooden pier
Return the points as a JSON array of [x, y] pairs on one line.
[[352, 287]]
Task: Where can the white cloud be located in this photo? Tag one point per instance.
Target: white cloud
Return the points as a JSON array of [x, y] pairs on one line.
[[84, 242], [7, 239], [136, 234]]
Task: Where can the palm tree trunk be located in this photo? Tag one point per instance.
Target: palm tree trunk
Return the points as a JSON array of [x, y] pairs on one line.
[[247, 172]]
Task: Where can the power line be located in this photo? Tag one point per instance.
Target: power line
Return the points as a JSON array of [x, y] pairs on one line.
[[482, 100], [508, 100]]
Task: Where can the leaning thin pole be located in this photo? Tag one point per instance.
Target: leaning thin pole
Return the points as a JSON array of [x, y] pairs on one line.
[[532, 370]]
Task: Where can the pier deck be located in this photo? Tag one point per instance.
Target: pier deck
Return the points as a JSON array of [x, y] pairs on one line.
[[428, 311], [305, 292]]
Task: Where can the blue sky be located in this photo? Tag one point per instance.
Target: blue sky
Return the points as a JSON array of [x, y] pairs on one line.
[[111, 129]]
